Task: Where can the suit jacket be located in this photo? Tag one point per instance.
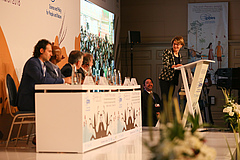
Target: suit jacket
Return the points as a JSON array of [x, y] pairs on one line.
[[80, 70], [52, 72], [67, 70], [32, 74], [167, 73], [148, 101]]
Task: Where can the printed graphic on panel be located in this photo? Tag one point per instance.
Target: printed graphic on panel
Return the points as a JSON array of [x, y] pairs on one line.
[[136, 104], [98, 116], [129, 118], [87, 128], [120, 111], [110, 113], [100, 124], [131, 112]]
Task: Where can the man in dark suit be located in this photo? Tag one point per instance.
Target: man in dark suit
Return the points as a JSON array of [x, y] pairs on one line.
[[87, 64], [51, 65], [75, 58], [151, 104], [34, 72]]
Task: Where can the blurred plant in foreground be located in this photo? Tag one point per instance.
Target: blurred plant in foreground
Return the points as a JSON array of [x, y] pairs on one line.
[[177, 142], [231, 110]]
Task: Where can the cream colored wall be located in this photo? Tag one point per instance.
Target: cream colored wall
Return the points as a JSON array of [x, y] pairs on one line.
[[160, 20], [22, 25]]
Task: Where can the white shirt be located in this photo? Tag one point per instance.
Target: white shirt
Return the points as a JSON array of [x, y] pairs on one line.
[[84, 70], [43, 67], [55, 67]]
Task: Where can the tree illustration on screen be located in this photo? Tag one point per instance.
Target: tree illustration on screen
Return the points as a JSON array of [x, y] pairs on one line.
[[196, 29]]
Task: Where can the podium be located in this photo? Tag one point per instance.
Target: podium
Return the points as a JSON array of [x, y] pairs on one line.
[[196, 81]]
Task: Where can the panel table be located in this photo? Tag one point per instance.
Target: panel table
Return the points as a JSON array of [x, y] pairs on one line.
[[78, 118]]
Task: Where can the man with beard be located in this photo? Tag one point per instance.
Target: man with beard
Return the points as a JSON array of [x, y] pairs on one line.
[[150, 104], [34, 72]]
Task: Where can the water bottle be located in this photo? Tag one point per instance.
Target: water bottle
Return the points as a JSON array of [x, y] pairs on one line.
[[74, 78], [89, 71], [119, 78], [115, 78], [105, 72], [109, 76]]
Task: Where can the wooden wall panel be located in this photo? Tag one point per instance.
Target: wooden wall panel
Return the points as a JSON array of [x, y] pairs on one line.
[[159, 55], [234, 54], [142, 55], [141, 71]]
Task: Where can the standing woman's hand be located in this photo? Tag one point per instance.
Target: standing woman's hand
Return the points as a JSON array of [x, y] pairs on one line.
[[178, 65]]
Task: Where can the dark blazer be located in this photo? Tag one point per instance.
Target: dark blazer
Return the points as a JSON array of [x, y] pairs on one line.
[[80, 70], [67, 70], [32, 74], [51, 71], [168, 72], [145, 105]]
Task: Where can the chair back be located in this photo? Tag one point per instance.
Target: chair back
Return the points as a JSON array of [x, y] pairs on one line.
[[11, 91]]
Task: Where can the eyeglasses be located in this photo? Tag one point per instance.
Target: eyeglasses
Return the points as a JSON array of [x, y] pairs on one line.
[[177, 44]]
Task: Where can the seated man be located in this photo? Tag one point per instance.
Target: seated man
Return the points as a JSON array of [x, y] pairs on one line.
[[150, 104], [86, 65], [51, 65], [75, 57], [34, 72]]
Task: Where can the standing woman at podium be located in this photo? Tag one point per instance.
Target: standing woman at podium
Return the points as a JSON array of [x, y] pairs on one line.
[[171, 59]]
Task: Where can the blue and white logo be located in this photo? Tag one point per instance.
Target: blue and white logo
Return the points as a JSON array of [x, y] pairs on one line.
[[88, 101], [52, 0], [206, 17]]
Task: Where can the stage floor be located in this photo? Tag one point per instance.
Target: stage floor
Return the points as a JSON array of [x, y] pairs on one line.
[[130, 148]]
